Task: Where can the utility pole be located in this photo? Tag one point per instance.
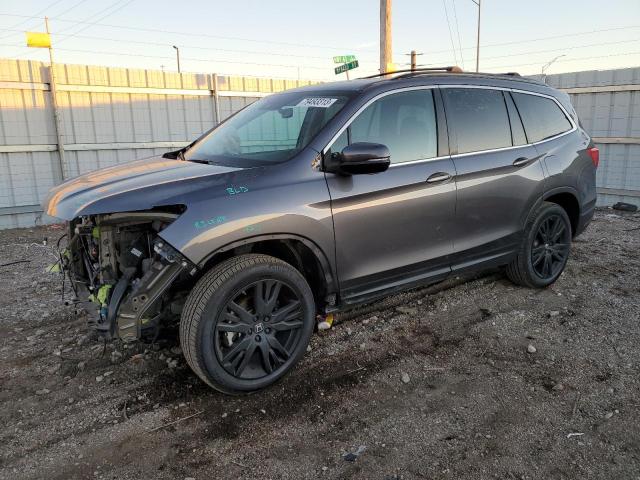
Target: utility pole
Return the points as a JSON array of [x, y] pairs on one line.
[[59, 171], [386, 57], [478, 3], [177, 57], [414, 59]]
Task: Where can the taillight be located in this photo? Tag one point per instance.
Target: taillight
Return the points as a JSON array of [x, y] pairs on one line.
[[594, 153]]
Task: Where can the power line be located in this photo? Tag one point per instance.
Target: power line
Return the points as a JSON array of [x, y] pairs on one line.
[[212, 60], [552, 37], [114, 4], [318, 67], [44, 10], [70, 8], [300, 56], [23, 22], [193, 34], [563, 61], [535, 52], [181, 45], [455, 16], [453, 47], [110, 7], [565, 48], [334, 48]]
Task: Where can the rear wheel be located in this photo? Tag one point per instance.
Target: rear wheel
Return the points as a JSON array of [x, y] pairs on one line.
[[247, 322], [545, 248]]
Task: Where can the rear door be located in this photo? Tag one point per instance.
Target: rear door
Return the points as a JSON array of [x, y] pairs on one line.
[[499, 174], [395, 227]]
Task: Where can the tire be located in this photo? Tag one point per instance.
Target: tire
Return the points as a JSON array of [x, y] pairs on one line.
[[530, 267], [227, 325]]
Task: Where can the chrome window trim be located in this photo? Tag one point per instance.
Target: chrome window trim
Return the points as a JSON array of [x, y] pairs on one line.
[[491, 150], [574, 127], [423, 160]]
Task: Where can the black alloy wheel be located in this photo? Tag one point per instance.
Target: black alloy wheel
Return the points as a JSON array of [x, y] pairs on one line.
[[247, 322], [545, 247], [258, 329], [550, 248]]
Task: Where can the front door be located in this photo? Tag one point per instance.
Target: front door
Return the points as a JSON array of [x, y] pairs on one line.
[[395, 228]]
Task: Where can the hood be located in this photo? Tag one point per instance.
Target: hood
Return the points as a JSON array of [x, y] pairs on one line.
[[134, 186]]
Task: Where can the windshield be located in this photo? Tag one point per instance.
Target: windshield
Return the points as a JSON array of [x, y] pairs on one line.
[[271, 130]]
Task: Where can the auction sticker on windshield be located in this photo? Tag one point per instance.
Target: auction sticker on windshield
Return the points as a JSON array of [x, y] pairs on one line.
[[321, 102]]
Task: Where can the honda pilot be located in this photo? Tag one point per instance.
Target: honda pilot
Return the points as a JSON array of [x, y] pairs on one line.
[[317, 199]]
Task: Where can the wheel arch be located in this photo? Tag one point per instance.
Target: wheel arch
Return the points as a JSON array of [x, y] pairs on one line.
[[567, 198], [300, 252]]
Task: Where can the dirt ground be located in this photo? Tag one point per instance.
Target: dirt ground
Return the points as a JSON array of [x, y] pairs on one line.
[[437, 383]]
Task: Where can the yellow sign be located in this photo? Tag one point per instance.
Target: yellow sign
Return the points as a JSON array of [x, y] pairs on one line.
[[38, 40]]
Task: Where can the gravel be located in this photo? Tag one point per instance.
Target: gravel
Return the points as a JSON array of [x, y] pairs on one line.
[[477, 404]]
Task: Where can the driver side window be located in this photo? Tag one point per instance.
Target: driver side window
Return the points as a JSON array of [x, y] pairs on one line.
[[405, 122]]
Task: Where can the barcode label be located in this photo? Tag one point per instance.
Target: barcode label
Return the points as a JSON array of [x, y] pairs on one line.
[[320, 102]]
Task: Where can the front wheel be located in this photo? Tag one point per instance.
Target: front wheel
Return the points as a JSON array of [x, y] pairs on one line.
[[246, 323], [545, 248]]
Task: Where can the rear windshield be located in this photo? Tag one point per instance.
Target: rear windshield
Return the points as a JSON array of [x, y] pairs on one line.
[[271, 130]]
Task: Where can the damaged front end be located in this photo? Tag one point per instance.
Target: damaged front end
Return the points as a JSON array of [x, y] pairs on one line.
[[137, 281]]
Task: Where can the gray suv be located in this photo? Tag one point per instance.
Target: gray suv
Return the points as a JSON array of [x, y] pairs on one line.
[[316, 199]]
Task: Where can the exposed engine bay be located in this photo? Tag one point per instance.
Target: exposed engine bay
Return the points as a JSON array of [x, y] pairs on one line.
[[137, 282]]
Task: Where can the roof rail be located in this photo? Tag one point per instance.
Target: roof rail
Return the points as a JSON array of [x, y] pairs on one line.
[[511, 74], [453, 69]]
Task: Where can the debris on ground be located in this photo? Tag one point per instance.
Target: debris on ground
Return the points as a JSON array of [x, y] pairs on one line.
[[626, 207], [353, 456]]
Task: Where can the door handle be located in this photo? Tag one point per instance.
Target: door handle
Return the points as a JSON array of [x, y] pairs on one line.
[[438, 177], [518, 162]]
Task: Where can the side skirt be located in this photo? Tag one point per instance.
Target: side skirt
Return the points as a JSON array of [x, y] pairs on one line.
[[495, 254]]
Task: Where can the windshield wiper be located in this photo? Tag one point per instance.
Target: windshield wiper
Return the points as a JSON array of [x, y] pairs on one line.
[[200, 160], [183, 150]]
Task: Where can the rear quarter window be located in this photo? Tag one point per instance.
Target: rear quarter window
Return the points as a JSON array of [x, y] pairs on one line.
[[541, 116]]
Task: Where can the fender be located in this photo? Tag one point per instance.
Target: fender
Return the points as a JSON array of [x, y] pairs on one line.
[[565, 189], [327, 270], [548, 194]]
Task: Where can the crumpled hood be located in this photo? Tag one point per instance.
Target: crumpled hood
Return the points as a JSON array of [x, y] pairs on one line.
[[135, 186]]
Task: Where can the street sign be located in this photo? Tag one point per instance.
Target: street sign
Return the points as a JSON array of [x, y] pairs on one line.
[[344, 58], [346, 67], [38, 40]]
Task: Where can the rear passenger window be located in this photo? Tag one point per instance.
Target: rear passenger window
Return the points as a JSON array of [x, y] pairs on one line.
[[542, 117], [479, 117], [405, 122]]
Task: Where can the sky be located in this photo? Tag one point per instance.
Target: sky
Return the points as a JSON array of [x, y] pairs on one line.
[[298, 38]]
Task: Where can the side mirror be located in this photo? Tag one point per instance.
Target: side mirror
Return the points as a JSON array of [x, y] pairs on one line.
[[359, 158]]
